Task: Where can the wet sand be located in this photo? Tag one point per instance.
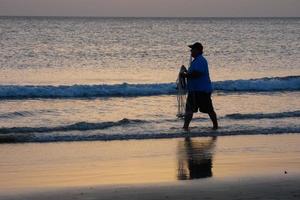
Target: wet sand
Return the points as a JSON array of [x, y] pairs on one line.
[[238, 167], [260, 188]]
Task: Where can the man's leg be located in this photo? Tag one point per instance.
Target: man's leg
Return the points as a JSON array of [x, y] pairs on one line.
[[213, 117], [187, 119]]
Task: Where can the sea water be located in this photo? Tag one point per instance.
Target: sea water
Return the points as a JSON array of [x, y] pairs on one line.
[[82, 79]]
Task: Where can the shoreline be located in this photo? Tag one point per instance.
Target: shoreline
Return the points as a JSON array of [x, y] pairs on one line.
[[207, 132], [282, 187]]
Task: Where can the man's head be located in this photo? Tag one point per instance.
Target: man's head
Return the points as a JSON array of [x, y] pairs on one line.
[[196, 49]]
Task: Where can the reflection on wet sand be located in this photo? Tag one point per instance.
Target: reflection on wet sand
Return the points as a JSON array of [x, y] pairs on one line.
[[195, 158]]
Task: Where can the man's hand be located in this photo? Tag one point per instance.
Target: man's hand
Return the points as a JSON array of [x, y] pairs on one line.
[[183, 69]]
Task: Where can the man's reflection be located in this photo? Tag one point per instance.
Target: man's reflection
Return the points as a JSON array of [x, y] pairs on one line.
[[195, 158]]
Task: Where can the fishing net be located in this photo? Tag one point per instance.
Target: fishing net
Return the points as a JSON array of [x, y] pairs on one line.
[[181, 84]]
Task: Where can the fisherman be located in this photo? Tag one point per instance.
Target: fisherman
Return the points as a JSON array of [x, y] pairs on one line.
[[199, 88]]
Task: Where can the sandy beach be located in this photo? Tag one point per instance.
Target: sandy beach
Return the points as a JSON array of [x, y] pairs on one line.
[[281, 187], [229, 167]]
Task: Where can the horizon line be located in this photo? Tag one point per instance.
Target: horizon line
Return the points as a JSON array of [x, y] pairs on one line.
[[74, 16]]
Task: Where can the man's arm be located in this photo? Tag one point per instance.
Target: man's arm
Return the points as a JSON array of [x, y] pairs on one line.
[[193, 74]]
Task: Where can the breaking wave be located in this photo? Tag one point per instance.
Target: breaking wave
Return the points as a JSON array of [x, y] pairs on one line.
[[87, 126], [289, 83], [239, 116], [86, 131], [80, 126], [17, 138]]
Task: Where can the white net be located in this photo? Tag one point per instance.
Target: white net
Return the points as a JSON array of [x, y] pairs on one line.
[[181, 83], [181, 93]]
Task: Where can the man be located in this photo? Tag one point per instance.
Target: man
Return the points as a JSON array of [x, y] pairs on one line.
[[199, 88]]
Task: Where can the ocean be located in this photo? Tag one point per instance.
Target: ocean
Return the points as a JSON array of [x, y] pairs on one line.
[[100, 79]]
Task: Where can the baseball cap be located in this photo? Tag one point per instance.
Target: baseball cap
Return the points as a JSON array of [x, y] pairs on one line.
[[196, 45]]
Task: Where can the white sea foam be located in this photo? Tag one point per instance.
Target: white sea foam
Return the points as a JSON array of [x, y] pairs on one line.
[[239, 116], [289, 83]]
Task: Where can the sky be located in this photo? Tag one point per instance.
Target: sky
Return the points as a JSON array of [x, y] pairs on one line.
[[152, 8]]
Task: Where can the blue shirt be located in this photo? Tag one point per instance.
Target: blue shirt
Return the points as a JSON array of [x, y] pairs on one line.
[[201, 83]]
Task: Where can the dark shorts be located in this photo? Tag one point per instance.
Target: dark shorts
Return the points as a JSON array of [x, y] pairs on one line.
[[199, 101]]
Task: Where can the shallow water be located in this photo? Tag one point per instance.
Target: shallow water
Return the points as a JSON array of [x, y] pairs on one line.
[[77, 79], [145, 117]]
